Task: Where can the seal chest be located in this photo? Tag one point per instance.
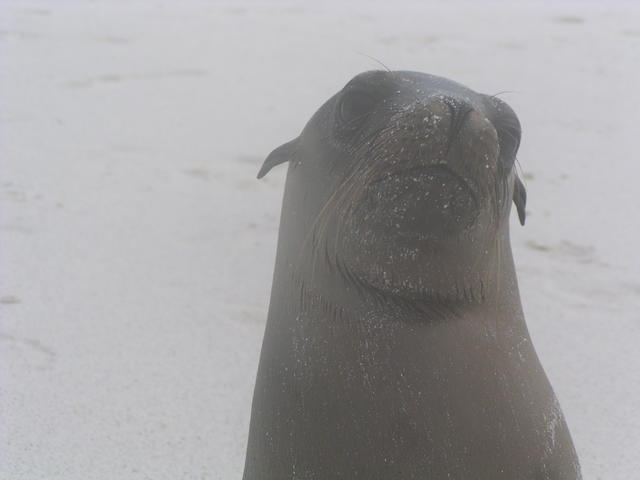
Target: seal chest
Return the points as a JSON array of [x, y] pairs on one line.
[[395, 344]]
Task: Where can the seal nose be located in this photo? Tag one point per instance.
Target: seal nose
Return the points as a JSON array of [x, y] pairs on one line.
[[449, 115], [440, 129], [439, 110], [454, 131]]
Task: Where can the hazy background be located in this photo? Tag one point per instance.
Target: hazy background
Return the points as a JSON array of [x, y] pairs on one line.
[[137, 248]]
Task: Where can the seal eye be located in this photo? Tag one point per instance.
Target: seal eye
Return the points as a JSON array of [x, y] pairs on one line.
[[354, 107]]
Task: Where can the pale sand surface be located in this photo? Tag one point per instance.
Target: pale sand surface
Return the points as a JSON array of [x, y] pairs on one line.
[[137, 248]]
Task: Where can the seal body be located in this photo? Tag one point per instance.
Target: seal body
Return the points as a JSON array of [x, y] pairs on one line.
[[396, 346]]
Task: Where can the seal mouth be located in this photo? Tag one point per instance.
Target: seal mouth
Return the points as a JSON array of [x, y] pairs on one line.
[[435, 170]]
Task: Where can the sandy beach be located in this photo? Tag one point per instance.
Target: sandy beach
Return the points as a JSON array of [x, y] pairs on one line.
[[137, 246]]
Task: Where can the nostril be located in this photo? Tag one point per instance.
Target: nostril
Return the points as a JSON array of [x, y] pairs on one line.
[[458, 118], [509, 138], [507, 125], [459, 113]]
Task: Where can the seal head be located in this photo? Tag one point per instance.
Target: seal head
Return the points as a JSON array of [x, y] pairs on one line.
[[416, 169]]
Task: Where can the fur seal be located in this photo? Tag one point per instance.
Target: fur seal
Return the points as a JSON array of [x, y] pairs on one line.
[[395, 345]]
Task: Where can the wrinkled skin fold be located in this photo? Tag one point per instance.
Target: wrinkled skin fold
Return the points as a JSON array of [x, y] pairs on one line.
[[396, 346]]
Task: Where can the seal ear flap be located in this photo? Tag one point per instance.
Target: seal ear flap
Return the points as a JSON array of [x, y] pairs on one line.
[[520, 198], [282, 154]]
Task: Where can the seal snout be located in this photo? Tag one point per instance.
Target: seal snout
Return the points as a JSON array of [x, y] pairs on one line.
[[442, 130], [435, 167]]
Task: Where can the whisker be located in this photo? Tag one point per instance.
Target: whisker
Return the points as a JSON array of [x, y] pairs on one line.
[[495, 95], [375, 60]]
